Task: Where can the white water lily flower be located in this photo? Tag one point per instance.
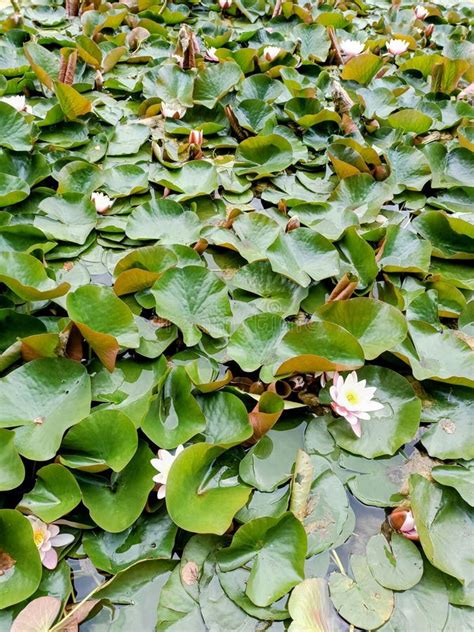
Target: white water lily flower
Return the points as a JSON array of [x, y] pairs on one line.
[[47, 536], [397, 46], [351, 48], [353, 400], [421, 12], [271, 52], [18, 102], [163, 464], [101, 201], [170, 111]]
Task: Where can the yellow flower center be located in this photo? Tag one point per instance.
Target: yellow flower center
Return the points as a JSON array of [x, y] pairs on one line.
[[38, 538], [352, 397]]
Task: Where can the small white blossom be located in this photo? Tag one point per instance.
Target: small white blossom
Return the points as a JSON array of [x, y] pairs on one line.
[[271, 52], [101, 201], [421, 12], [351, 48], [397, 46], [18, 102], [170, 111], [163, 465], [353, 400], [47, 536]]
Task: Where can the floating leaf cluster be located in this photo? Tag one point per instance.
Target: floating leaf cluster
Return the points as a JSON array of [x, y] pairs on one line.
[[227, 229]]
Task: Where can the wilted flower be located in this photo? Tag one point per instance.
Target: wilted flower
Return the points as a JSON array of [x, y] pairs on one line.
[[225, 4], [421, 12], [18, 102], [271, 52], [397, 46], [47, 536], [101, 201], [353, 399], [163, 464], [351, 48], [170, 111], [195, 137], [403, 522], [210, 54]]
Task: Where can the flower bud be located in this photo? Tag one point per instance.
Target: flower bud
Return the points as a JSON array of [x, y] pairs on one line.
[[225, 4], [196, 137], [170, 111]]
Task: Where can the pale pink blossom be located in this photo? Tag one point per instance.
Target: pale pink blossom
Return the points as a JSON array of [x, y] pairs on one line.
[[353, 400], [421, 12], [403, 522], [163, 465], [101, 201], [351, 48], [271, 52], [170, 111], [46, 537], [397, 46], [467, 92], [225, 4], [18, 102], [210, 54]]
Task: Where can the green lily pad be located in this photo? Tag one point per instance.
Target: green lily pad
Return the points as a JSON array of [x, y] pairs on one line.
[[216, 81], [263, 155], [395, 564], [277, 547], [27, 278], [377, 325], [21, 565], [227, 420], [106, 438], [458, 476], [174, 415], [12, 470], [116, 502], [195, 499], [442, 520], [54, 495], [207, 310], [165, 221], [253, 342], [150, 537], [362, 601], [41, 400], [16, 132]]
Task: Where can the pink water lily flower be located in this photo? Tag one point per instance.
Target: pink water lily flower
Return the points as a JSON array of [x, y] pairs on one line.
[[210, 54], [397, 46], [46, 537], [353, 400], [421, 12], [101, 201], [163, 464], [403, 522], [18, 102], [225, 4]]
